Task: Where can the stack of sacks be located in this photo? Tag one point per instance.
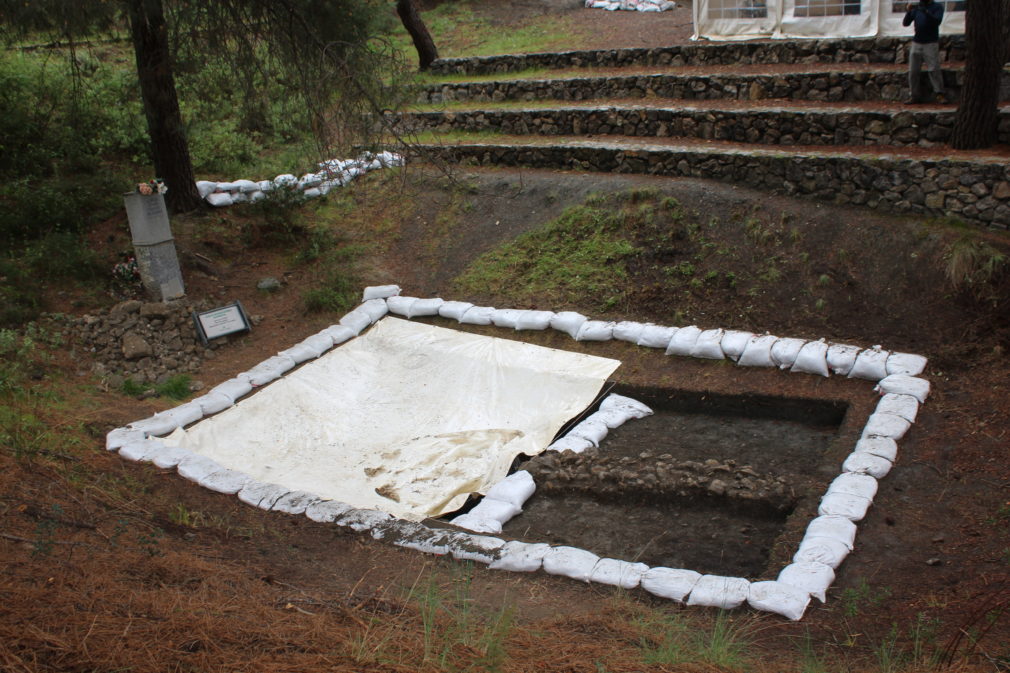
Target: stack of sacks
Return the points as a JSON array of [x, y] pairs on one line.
[[503, 501], [333, 173], [632, 5], [614, 411]]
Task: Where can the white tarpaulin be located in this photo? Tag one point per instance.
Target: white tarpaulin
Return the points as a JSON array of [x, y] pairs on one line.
[[407, 418], [749, 19]]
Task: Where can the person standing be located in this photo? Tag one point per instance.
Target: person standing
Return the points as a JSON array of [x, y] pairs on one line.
[[926, 15]]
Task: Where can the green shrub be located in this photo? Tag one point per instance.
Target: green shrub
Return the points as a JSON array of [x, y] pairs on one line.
[[176, 388]]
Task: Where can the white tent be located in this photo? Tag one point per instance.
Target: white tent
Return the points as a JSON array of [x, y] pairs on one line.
[[751, 19]]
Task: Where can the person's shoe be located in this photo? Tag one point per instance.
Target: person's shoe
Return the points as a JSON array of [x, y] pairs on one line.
[[940, 99]]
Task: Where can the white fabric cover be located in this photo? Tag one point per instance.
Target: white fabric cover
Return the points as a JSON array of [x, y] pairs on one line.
[[568, 322], [885, 425], [841, 358], [734, 342], [785, 351], [454, 310], [617, 573], [521, 556], [380, 292], [595, 330], [656, 336], [902, 384], [390, 409], [871, 364], [905, 363], [905, 406], [628, 330], [812, 359], [715, 591], [515, 489], [867, 463], [478, 315], [671, 583], [810, 576], [885, 447], [534, 320], [683, 341], [570, 562], [783, 599], [758, 352], [709, 345]]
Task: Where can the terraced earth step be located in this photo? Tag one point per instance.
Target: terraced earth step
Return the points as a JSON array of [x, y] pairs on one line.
[[972, 186], [818, 82], [781, 124], [853, 50]]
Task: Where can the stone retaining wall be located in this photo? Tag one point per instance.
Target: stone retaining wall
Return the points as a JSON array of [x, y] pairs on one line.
[[856, 50], [975, 193], [766, 126]]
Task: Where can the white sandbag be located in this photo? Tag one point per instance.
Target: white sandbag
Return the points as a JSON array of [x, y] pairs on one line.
[[325, 511], [758, 352], [866, 463], [171, 457], [233, 389], [318, 343], [219, 199], [612, 418], [477, 548], [594, 431], [885, 425], [782, 599], [683, 341], [521, 557], [205, 188], [497, 510], [709, 345], [256, 196], [905, 406], [626, 404], [121, 436], [261, 494], [454, 310], [376, 309], [824, 550], [478, 315], [871, 364], [477, 524], [715, 591], [338, 333], [425, 307], [568, 322], [360, 520], [812, 359], [164, 422], [885, 447], [295, 502], [505, 317], [809, 576], [671, 583], [629, 331], [239, 197], [902, 384], [227, 187], [570, 562], [225, 481], [356, 321], [141, 450], [246, 186], [854, 484], [310, 180], [265, 185], [515, 489], [399, 305], [196, 467], [905, 363], [785, 351], [570, 443], [534, 320], [617, 573], [380, 292], [734, 343], [439, 541], [269, 370], [841, 358], [843, 504], [299, 353], [595, 330], [285, 180], [656, 336], [834, 527]]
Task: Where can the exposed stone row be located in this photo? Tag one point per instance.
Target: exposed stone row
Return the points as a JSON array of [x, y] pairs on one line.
[[836, 86], [855, 50], [766, 126], [661, 477], [978, 193]]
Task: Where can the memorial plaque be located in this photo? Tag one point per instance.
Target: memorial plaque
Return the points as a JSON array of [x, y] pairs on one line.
[[219, 322]]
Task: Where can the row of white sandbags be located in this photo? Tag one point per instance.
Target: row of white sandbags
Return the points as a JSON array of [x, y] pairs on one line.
[[332, 173], [614, 411], [633, 5], [744, 348], [502, 501]]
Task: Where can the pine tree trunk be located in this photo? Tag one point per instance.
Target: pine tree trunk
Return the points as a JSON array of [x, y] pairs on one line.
[[426, 51], [975, 124], [161, 105]]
